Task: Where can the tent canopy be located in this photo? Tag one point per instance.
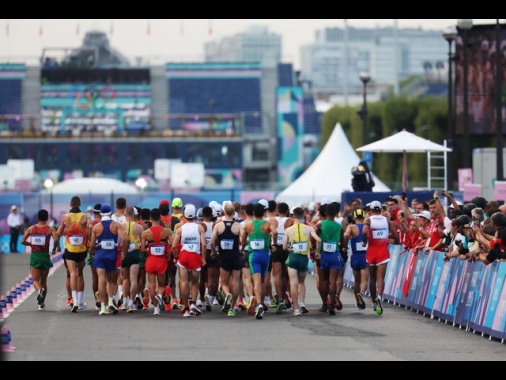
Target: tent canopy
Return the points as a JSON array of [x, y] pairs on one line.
[[329, 175], [93, 186], [404, 142]]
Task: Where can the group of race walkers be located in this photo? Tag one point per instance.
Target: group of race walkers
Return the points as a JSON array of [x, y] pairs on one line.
[[233, 257]]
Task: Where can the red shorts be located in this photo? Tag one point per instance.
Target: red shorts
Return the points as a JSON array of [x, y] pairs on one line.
[[377, 255], [189, 260], [156, 265]]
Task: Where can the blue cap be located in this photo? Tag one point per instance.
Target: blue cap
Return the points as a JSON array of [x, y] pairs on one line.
[[105, 210]]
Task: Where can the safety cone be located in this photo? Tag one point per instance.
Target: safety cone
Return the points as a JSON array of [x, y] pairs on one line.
[[6, 339]]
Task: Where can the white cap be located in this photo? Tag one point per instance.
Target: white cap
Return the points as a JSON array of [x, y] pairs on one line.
[[326, 201], [225, 203], [218, 208], [375, 205], [291, 210], [13, 207], [89, 208], [212, 204], [190, 212], [424, 214], [264, 202]]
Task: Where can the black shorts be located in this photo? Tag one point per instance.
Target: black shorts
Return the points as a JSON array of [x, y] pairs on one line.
[[231, 263], [279, 255], [78, 257], [212, 262]]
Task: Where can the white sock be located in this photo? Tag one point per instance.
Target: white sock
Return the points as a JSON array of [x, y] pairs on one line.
[[80, 298], [74, 296]]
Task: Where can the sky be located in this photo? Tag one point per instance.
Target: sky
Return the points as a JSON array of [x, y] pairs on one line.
[[175, 40]]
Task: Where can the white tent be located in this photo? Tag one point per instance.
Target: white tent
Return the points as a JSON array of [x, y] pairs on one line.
[[329, 175], [80, 186]]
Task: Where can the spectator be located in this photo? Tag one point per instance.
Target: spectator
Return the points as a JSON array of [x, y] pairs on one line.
[[15, 222]]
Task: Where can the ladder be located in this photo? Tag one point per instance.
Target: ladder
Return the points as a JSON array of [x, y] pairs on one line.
[[436, 170]]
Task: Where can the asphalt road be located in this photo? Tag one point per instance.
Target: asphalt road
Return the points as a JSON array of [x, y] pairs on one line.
[[56, 334]]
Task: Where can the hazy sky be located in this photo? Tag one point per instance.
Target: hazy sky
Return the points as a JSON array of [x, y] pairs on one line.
[[174, 39]]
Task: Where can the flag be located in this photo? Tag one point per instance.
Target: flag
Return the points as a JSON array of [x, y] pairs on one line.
[[210, 30], [181, 27], [148, 28]]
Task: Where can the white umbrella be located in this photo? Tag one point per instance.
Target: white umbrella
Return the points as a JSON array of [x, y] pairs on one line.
[[404, 142]]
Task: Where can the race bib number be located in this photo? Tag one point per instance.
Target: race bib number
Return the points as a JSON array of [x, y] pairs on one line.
[[359, 247], [281, 237], [258, 244], [300, 247], [38, 240], [381, 233], [76, 240], [108, 244], [329, 247], [157, 250], [131, 247], [227, 244], [208, 243], [191, 247]]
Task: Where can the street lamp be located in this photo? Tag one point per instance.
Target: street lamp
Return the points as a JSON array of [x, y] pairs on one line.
[[465, 25], [498, 105], [365, 78], [450, 34], [141, 182], [48, 184]]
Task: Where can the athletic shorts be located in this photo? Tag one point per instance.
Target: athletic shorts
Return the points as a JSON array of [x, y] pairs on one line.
[[78, 257], [259, 262], [212, 262], [189, 260], [231, 262], [105, 259], [330, 261], [377, 256], [40, 260], [358, 261], [156, 265], [279, 255], [131, 258], [298, 262]]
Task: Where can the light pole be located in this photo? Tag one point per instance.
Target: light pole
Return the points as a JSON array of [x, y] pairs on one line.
[[498, 105], [48, 184], [450, 34], [465, 25], [365, 78]]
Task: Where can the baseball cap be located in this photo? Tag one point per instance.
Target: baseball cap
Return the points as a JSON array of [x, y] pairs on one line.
[[212, 204], [375, 205], [97, 208], [424, 214], [177, 203], [13, 207], [105, 210], [326, 201], [225, 203], [458, 202], [264, 202], [89, 208], [164, 202], [189, 211], [218, 208]]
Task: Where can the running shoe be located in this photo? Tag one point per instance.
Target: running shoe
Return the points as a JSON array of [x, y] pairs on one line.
[[161, 304], [195, 310], [122, 308], [131, 308], [379, 308], [252, 305], [168, 294], [303, 308], [240, 304], [331, 310], [168, 307], [42, 295], [42, 306], [112, 308], [226, 303], [296, 313], [216, 302], [104, 311], [360, 301], [231, 313], [374, 306], [200, 304], [339, 304], [74, 308], [97, 300], [219, 297], [69, 302], [209, 304], [324, 308], [186, 313], [259, 312], [273, 304], [138, 303], [288, 301], [175, 304], [281, 307], [82, 306], [156, 310]]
